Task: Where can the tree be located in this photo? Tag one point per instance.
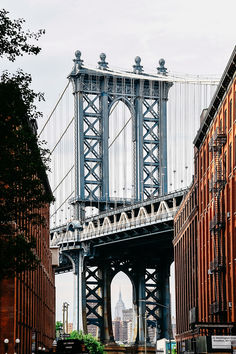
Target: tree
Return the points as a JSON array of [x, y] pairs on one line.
[[59, 325], [59, 328], [14, 41], [91, 343], [23, 160]]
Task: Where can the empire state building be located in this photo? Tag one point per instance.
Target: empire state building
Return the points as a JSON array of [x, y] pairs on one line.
[[120, 306]]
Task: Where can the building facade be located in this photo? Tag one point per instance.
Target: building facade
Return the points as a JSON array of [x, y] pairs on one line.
[[27, 300], [185, 253], [205, 256]]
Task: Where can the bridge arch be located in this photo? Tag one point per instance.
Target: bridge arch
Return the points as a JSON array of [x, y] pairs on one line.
[[123, 219], [142, 214], [123, 305], [106, 223], [125, 101], [121, 149]]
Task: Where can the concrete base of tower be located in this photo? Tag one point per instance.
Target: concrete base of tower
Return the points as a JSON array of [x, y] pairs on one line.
[[129, 350]]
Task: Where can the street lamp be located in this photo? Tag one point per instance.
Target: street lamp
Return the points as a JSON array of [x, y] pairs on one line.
[[6, 341], [169, 321], [145, 327], [54, 345], [17, 341]]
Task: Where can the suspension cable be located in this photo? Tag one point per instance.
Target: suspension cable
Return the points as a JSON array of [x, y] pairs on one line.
[[54, 109], [63, 178], [119, 132], [61, 204], [62, 136]]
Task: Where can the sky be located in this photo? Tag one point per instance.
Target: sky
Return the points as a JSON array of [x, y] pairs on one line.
[[195, 37]]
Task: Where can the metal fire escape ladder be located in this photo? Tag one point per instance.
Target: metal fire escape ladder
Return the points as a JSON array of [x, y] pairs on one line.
[[217, 183]]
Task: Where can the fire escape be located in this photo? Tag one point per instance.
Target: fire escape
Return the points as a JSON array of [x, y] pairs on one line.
[[217, 266]]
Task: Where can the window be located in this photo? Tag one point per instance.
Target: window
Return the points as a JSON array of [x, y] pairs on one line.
[[230, 157], [201, 168], [230, 113], [225, 120], [235, 150], [235, 105], [204, 161], [225, 157], [220, 126]]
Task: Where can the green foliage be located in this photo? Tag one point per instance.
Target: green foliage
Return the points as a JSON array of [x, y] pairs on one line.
[[22, 176], [14, 41], [23, 160], [59, 325], [91, 343]]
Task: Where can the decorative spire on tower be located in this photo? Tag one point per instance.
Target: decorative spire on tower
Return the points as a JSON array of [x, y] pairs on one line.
[[161, 69], [103, 65], [137, 68]]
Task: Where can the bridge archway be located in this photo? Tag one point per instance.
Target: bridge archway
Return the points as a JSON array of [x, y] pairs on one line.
[[123, 310], [121, 149]]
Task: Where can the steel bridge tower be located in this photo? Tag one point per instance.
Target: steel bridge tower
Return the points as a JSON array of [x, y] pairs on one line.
[[95, 93], [144, 253]]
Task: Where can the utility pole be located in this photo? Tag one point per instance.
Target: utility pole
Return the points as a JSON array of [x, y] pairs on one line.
[[65, 317]]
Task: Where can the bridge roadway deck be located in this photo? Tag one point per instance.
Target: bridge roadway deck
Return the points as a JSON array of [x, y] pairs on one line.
[[144, 229]]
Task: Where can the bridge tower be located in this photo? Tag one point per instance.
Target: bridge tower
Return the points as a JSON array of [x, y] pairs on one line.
[[96, 91], [143, 254]]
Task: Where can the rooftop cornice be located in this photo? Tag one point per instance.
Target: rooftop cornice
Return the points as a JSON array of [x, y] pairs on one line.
[[216, 101]]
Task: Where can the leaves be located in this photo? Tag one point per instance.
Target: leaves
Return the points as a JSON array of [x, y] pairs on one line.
[[22, 176], [91, 343], [14, 41], [24, 189]]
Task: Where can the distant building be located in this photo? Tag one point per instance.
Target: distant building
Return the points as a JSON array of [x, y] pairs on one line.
[[120, 306], [128, 314], [70, 327], [93, 330], [123, 323], [116, 326], [130, 337]]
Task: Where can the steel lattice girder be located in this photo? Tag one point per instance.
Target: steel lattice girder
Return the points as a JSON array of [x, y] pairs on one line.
[[150, 147], [95, 93], [152, 290], [94, 300], [92, 147]]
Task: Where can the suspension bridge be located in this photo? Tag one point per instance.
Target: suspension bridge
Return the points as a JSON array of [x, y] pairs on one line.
[[121, 160]]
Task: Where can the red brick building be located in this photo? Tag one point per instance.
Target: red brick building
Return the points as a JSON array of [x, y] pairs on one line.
[[206, 294], [185, 253], [27, 302]]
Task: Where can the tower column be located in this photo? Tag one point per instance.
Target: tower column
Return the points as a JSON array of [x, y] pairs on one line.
[[105, 137], [79, 311], [139, 140], [141, 306], [166, 301], [107, 335]]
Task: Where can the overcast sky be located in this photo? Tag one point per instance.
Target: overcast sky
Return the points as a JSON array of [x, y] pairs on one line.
[[195, 37]]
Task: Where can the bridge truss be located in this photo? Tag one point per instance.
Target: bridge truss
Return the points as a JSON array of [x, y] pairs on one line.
[[114, 213]]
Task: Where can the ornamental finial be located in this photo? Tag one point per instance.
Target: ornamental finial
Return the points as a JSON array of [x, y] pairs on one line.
[[161, 69], [78, 62], [137, 68], [102, 64]]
